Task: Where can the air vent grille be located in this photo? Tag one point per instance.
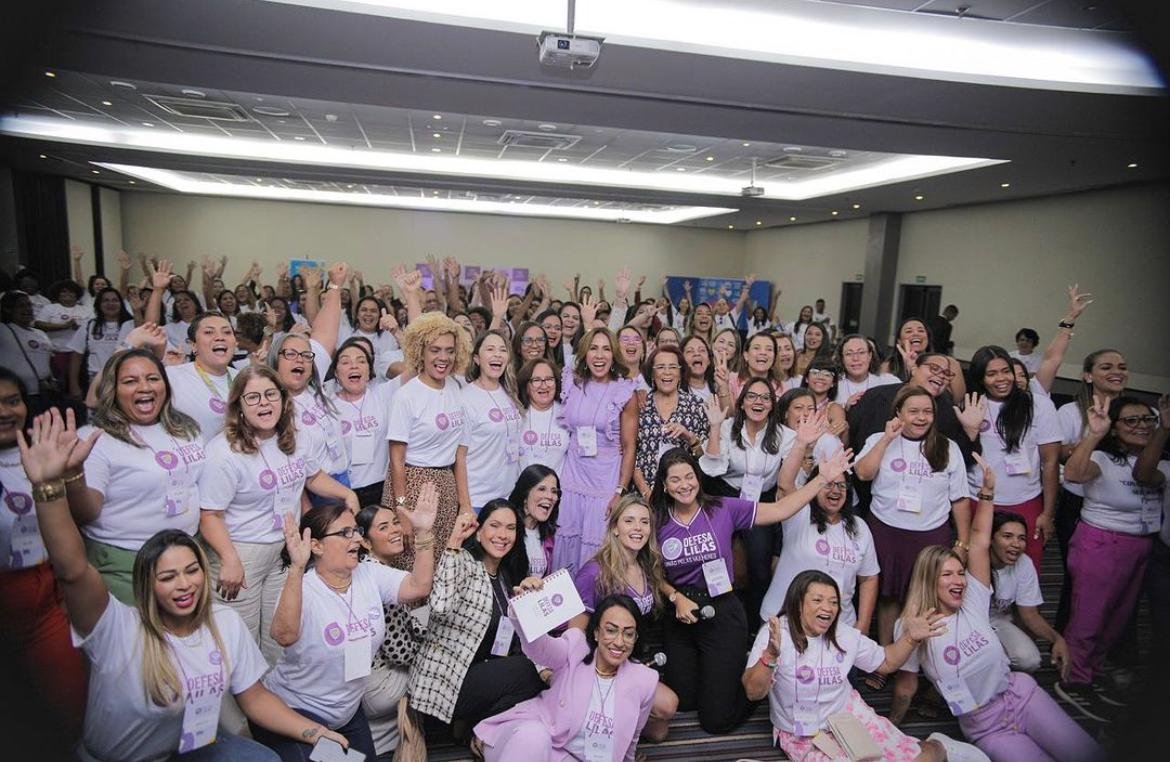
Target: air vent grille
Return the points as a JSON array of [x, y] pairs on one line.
[[548, 141], [197, 109], [806, 163]]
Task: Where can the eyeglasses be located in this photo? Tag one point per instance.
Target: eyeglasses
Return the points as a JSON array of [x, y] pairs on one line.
[[542, 381], [1133, 421], [252, 399], [939, 370], [629, 636], [627, 339], [856, 353], [675, 366], [757, 397], [346, 533], [532, 340], [836, 486], [819, 373], [292, 354]]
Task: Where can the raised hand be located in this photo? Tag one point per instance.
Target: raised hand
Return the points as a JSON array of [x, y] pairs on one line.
[[641, 282], [426, 506], [1098, 417], [715, 413], [893, 429], [42, 454], [282, 270], [588, 311], [988, 472], [687, 287], [1164, 411], [149, 335], [909, 356], [76, 252], [973, 412], [339, 273], [1077, 302], [568, 284], [775, 635], [408, 282], [387, 322], [749, 280], [542, 286], [813, 427], [299, 546], [311, 277], [499, 303], [124, 261], [835, 465], [160, 274], [452, 266], [924, 626], [621, 282], [465, 526], [722, 374]]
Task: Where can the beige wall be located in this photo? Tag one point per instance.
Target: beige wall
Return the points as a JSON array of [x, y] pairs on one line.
[[79, 218], [373, 240]]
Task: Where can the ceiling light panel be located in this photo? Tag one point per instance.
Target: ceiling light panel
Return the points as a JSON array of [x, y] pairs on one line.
[[826, 35], [329, 192]]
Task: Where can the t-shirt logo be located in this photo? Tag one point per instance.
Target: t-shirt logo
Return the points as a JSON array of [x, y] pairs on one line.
[[530, 437], [672, 548], [334, 634], [951, 655], [215, 657], [216, 405], [805, 674], [897, 464], [822, 546], [18, 502], [984, 426], [442, 421], [166, 459], [496, 415], [308, 418], [345, 427], [267, 479], [34, 344]]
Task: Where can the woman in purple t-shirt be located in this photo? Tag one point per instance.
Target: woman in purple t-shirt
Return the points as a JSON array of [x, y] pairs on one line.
[[707, 637]]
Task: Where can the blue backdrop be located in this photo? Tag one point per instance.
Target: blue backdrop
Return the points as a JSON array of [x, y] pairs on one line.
[[710, 289]]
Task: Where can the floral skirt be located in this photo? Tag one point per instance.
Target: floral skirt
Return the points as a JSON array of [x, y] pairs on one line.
[[896, 746]]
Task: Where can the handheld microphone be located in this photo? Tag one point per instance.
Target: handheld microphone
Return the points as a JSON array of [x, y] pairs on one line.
[[707, 612], [658, 659]]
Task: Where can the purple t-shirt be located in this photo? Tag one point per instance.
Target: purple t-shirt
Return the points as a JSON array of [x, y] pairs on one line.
[[685, 548], [588, 582]]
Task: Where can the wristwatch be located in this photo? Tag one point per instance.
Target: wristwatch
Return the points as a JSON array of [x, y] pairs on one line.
[[672, 596]]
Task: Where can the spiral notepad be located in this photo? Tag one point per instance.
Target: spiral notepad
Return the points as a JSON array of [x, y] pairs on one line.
[[539, 611]]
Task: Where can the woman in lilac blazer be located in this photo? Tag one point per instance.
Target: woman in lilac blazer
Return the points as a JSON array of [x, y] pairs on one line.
[[598, 700]]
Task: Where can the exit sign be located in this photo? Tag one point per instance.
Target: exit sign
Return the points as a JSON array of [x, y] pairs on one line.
[[919, 278], [858, 277]]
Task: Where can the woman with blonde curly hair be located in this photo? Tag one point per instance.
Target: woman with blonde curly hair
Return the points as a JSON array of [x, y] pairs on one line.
[[427, 423], [142, 475], [256, 470]]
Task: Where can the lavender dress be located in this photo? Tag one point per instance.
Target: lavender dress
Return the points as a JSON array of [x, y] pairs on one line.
[[587, 483]]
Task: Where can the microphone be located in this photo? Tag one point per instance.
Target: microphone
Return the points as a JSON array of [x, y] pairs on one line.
[[707, 612], [657, 659]]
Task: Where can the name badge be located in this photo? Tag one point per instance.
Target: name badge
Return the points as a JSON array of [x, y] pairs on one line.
[[587, 441], [357, 658], [511, 450], [333, 448], [751, 486], [599, 748], [503, 642], [909, 499], [362, 448], [200, 722], [175, 500], [1016, 463], [25, 540], [715, 574], [958, 697], [805, 720]]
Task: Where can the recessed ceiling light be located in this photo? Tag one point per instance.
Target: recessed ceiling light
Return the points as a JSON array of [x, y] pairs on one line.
[[838, 154], [95, 171], [270, 111], [746, 145], [759, 222], [436, 135], [350, 185], [793, 149], [44, 157], [50, 75], [680, 169], [681, 148], [298, 137], [562, 159], [792, 219], [436, 150], [436, 116], [133, 182], [148, 124], [1131, 165], [193, 93], [857, 206], [731, 227], [835, 212], [435, 192], [710, 158], [1005, 185], [120, 83], [107, 103], [918, 197], [597, 203], [492, 122], [546, 127]]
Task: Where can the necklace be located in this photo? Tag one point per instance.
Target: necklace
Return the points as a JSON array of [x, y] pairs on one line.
[[603, 674]]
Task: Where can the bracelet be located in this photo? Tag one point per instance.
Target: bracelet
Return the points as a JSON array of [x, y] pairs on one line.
[[424, 535], [47, 492], [70, 479], [766, 663], [424, 545], [1066, 324], [962, 545], [988, 496]]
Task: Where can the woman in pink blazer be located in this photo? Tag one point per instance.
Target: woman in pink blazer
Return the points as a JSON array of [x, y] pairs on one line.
[[598, 700]]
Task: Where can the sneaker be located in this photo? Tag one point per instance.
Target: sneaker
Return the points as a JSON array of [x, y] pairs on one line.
[[1085, 699], [957, 751]]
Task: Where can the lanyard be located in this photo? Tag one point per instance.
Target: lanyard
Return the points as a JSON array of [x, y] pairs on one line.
[[208, 383], [816, 674], [183, 670], [351, 618], [503, 412], [603, 696], [361, 409]]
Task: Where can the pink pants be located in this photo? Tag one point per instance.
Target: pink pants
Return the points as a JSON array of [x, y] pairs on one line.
[[1030, 510], [1024, 724], [524, 739], [1106, 570]]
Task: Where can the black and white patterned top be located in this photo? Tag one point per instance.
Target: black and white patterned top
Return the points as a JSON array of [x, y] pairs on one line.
[[652, 441], [404, 634]]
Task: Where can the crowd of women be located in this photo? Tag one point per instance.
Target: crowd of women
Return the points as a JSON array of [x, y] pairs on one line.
[[300, 512]]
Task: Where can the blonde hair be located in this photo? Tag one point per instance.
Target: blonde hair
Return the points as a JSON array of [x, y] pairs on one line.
[[922, 595], [161, 681], [110, 418], [427, 328], [611, 558]]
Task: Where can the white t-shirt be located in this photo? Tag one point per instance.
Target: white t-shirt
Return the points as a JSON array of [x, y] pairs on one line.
[[20, 536], [535, 552], [906, 479], [121, 722], [1017, 474], [595, 736], [363, 430], [255, 491], [144, 489], [818, 678], [753, 327], [847, 388], [840, 555], [969, 649], [491, 435], [1068, 418], [310, 673], [177, 335], [826, 446], [33, 363], [430, 421], [1015, 584], [733, 461], [100, 348], [1031, 362], [730, 320], [203, 396], [542, 439], [58, 314], [1116, 502], [322, 427], [386, 350]]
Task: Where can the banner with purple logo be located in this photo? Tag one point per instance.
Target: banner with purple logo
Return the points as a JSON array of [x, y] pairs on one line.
[[711, 290]]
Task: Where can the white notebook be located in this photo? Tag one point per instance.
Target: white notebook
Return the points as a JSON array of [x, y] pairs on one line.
[[540, 611]]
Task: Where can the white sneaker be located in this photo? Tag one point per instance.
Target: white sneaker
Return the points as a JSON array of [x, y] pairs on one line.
[[957, 751]]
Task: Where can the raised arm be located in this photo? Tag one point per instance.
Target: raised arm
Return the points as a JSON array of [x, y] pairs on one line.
[[160, 280], [409, 284], [740, 303], [77, 255], [807, 434], [286, 620], [328, 319], [773, 316], [979, 556], [124, 265], [1054, 353], [1145, 471], [867, 466], [420, 521], [452, 270], [1080, 467], [915, 629], [311, 277], [757, 678], [45, 463], [830, 469]]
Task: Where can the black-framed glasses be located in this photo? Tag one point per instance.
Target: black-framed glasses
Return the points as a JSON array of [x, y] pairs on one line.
[[542, 381], [292, 354], [1133, 421], [757, 397], [836, 486], [346, 533], [252, 399], [532, 340], [940, 370]]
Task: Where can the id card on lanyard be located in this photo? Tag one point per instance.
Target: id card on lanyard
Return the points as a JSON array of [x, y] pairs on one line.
[[806, 719], [587, 435], [502, 644], [909, 497], [178, 491], [200, 712], [951, 685], [715, 571], [599, 737], [357, 655]]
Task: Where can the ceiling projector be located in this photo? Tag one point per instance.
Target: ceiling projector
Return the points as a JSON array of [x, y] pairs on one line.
[[568, 51], [751, 191]]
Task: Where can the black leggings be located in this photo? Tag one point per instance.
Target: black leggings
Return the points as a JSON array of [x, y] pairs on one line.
[[705, 662], [495, 685], [371, 494], [760, 544]]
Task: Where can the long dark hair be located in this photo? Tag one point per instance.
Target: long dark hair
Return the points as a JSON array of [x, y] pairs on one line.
[[709, 376], [98, 322], [823, 363], [175, 316], [771, 441], [660, 501], [1015, 417], [380, 305], [935, 446], [353, 341], [820, 517], [514, 564], [525, 483], [794, 601], [12, 378], [620, 600], [1110, 444], [896, 365]]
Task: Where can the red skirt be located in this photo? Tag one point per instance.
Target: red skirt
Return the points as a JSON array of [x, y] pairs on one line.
[[898, 549]]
